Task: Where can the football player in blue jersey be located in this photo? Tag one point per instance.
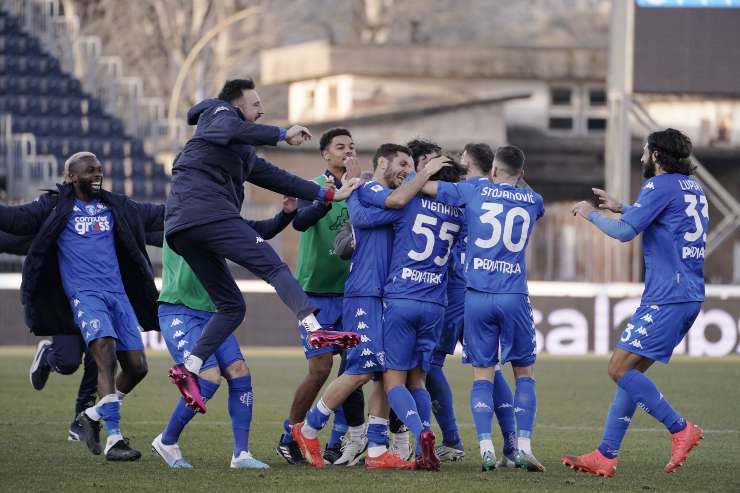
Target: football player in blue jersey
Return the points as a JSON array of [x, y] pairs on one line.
[[672, 214], [477, 158], [362, 305], [498, 316], [414, 302]]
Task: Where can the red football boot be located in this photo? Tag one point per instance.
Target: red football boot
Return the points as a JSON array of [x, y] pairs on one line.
[[593, 463], [682, 443], [428, 460], [322, 338], [388, 460], [310, 447], [187, 384]]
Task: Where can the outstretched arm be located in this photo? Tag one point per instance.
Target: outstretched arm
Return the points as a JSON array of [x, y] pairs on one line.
[[616, 228], [26, 219], [16, 245], [269, 228]]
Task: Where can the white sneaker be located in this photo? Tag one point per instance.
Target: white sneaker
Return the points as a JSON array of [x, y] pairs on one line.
[[171, 454], [401, 446], [246, 461], [352, 451]]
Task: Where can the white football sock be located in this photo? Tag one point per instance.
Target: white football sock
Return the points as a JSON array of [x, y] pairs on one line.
[[193, 364], [92, 413], [311, 323], [486, 446], [376, 451], [309, 431], [524, 444]]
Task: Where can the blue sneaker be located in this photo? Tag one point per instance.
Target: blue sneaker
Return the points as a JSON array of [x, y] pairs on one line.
[[171, 454], [246, 461]]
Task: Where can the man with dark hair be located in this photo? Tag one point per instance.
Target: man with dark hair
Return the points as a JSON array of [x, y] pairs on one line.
[[88, 271], [422, 151], [498, 316], [322, 274], [203, 222], [363, 305], [672, 212]]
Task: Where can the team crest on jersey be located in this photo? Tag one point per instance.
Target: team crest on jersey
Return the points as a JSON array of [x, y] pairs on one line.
[[377, 188]]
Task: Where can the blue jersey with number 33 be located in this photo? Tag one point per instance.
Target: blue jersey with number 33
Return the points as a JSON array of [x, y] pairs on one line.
[[672, 214], [423, 241], [500, 220]]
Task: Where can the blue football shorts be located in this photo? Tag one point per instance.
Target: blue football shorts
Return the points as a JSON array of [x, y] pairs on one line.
[[655, 330], [101, 314], [499, 322], [181, 328]]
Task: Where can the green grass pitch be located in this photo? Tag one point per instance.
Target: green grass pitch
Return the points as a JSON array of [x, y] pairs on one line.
[[573, 395]]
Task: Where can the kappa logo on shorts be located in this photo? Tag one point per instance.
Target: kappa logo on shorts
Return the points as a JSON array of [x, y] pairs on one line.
[[636, 343], [181, 343], [366, 352], [362, 326], [364, 338], [84, 324], [360, 312], [176, 322], [259, 240], [75, 302], [647, 318], [80, 313], [369, 364], [642, 331], [178, 333]]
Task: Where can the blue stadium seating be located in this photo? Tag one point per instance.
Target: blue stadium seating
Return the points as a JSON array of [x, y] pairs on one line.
[[51, 104]]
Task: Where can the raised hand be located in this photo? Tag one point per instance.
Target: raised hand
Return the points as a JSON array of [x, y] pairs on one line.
[[584, 208], [436, 164], [607, 202], [297, 135], [346, 190]]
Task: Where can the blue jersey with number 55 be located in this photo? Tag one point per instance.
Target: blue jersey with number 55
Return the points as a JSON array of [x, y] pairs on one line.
[[500, 220], [423, 241], [672, 214]]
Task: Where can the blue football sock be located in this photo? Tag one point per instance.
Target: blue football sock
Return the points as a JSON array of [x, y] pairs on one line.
[[109, 409], [241, 401], [182, 414], [481, 406], [424, 406], [286, 437], [377, 431], [525, 406], [617, 422], [318, 415], [503, 404], [339, 427], [404, 405], [645, 394], [441, 394]]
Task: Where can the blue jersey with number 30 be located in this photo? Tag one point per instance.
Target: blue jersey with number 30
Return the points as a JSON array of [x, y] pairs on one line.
[[500, 220], [423, 241], [673, 214]]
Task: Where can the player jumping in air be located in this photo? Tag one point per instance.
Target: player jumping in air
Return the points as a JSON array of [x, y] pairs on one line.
[[498, 316], [673, 214], [184, 309], [203, 222]]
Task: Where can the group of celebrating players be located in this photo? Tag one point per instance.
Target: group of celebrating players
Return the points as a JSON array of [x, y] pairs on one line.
[[396, 267]]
